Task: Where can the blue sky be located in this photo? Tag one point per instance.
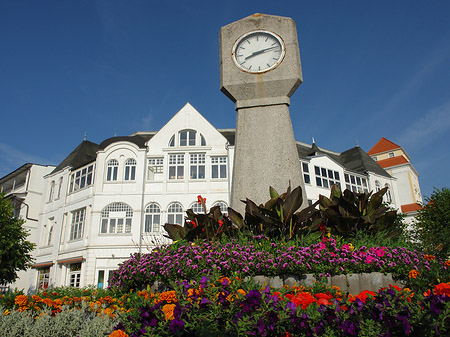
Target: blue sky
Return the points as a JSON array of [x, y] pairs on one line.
[[371, 69]]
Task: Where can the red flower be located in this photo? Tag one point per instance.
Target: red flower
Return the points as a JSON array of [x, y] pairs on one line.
[[220, 223], [201, 200], [442, 289]]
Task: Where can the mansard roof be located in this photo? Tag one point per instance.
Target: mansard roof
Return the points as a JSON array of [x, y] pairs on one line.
[[383, 145], [139, 140], [356, 159], [84, 153]]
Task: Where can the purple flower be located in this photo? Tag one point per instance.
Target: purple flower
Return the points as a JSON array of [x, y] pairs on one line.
[[176, 326]]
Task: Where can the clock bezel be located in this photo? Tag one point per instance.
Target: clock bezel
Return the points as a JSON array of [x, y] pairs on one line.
[[244, 36]]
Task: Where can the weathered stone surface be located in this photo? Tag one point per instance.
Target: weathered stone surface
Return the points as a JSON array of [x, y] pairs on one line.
[[276, 282], [353, 284], [340, 281], [262, 280]]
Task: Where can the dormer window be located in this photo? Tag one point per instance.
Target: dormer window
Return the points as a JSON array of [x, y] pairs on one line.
[[172, 141], [187, 137], [391, 154]]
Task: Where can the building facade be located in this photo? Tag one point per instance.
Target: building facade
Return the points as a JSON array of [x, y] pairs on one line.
[[109, 200]]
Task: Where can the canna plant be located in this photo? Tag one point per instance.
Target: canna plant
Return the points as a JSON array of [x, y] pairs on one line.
[[277, 218], [347, 213]]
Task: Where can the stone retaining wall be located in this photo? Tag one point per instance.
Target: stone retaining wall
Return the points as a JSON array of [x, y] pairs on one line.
[[351, 283]]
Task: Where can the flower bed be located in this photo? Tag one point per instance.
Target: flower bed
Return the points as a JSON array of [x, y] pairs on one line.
[[191, 261], [229, 307]]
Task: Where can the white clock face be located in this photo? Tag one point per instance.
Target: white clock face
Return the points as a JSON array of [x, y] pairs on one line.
[[258, 51]]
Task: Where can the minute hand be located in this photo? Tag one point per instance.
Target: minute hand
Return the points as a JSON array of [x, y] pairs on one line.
[[260, 52]]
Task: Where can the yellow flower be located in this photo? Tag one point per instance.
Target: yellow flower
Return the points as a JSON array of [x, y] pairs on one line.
[[350, 245], [7, 312]]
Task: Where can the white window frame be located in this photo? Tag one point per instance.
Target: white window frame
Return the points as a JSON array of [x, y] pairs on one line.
[[43, 278], [130, 170], [175, 213], [152, 221], [219, 167], [52, 190], [176, 166], [116, 218], [223, 206], [197, 208], [306, 174], [197, 168], [356, 183], [326, 178], [82, 178], [75, 275], [187, 138], [77, 225], [155, 168], [112, 170]]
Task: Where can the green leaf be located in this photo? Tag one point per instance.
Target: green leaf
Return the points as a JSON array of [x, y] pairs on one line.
[[292, 203]]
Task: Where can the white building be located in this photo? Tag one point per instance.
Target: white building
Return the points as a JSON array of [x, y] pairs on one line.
[[107, 201], [25, 187]]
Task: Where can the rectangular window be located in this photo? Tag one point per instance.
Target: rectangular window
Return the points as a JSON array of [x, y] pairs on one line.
[[326, 177], [306, 176], [197, 163], [75, 275], [355, 183], [43, 278], [155, 168], [176, 166], [218, 167], [81, 178], [76, 228]]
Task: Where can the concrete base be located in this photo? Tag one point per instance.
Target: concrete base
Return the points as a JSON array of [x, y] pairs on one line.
[[265, 155]]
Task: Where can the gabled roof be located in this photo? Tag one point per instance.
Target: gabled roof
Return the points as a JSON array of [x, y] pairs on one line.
[[356, 159], [411, 208], [394, 161], [139, 140], [84, 153], [383, 145]]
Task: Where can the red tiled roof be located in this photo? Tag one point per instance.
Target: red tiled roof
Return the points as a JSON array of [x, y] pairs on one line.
[[410, 208], [383, 145], [394, 161]]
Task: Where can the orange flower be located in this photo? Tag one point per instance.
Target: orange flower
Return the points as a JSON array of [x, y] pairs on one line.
[[413, 273], [168, 296], [21, 300], [118, 333], [429, 257], [447, 263], [241, 291], [168, 311], [36, 298]]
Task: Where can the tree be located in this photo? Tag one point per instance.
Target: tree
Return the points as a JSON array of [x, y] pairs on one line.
[[15, 250], [433, 223]]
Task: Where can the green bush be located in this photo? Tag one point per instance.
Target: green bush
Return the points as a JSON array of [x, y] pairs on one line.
[[67, 323]]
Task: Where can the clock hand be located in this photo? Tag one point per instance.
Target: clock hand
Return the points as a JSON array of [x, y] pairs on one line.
[[260, 52]]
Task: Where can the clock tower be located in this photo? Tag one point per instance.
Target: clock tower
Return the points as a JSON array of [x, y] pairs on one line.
[[259, 71]]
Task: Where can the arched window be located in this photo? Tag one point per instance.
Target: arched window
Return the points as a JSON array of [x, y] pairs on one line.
[[130, 169], [152, 218], [111, 173], [59, 187], [52, 190], [202, 140], [187, 137], [197, 208], [223, 207], [172, 141], [388, 195], [175, 214], [116, 218], [377, 186], [50, 236]]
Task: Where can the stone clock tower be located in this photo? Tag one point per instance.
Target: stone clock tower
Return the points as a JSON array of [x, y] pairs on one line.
[[259, 71]]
